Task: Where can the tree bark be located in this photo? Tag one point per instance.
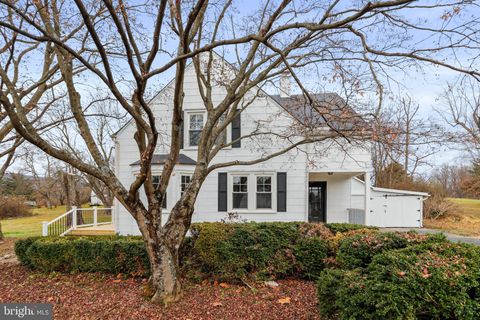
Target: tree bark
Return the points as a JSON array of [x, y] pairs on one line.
[[165, 274]]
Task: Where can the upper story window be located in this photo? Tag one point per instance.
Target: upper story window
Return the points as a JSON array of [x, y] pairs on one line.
[[195, 126], [222, 136], [240, 192], [156, 182], [264, 192], [185, 181]]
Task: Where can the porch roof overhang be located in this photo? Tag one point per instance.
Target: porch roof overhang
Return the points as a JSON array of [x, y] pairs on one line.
[[161, 158]]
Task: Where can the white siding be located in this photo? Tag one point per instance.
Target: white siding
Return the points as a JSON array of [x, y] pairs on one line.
[[263, 111], [339, 194]]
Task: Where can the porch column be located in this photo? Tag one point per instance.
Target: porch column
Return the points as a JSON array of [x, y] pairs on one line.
[[367, 198]]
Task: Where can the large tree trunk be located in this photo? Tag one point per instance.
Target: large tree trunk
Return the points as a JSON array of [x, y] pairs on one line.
[[163, 244], [165, 274]]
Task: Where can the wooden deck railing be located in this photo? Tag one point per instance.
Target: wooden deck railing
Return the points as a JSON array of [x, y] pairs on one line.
[[77, 217]]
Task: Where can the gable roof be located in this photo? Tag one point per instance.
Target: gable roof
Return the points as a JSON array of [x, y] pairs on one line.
[[161, 158]]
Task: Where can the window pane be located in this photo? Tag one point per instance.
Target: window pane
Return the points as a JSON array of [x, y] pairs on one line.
[[240, 200], [264, 200], [155, 181], [194, 137], [185, 180], [196, 122]]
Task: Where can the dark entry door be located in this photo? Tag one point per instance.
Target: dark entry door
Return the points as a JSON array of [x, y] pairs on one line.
[[317, 201]]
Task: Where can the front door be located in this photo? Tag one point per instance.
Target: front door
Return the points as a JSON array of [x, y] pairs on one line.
[[317, 201]]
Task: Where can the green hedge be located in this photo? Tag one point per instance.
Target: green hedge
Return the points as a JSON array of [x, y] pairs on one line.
[[358, 250], [256, 250], [426, 281], [344, 227], [227, 251], [21, 247], [124, 255]]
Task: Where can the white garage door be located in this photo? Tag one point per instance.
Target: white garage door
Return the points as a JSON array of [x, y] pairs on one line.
[[396, 210]]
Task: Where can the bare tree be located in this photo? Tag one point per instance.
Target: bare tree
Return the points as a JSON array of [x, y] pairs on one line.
[[461, 110], [404, 139], [126, 48]]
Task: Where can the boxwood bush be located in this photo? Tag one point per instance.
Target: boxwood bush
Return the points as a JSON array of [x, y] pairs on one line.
[[344, 227], [125, 255], [227, 251], [358, 250], [423, 281], [257, 250]]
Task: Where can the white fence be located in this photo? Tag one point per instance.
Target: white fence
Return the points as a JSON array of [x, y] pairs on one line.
[[77, 217]]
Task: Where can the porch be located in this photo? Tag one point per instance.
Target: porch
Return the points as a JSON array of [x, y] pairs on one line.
[[81, 222], [333, 197]]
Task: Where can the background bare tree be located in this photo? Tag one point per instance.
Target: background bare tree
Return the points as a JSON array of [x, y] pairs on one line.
[[404, 142], [125, 48], [460, 108]]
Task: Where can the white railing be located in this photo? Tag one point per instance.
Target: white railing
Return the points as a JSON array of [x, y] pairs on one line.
[[75, 218]]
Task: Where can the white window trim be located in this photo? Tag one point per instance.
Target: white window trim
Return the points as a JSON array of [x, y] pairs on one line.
[[186, 133], [167, 209], [186, 129], [179, 186], [252, 192], [273, 191]]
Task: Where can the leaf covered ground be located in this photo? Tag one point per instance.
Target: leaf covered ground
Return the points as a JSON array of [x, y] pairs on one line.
[[95, 296]]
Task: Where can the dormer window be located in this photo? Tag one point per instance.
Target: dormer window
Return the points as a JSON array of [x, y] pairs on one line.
[[195, 126]]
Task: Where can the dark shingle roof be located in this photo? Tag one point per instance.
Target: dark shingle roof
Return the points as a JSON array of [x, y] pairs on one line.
[[329, 106], [160, 159]]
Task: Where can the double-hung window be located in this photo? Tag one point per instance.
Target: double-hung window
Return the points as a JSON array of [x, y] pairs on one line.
[[184, 182], [240, 192], [195, 126], [156, 182], [264, 192], [222, 136]]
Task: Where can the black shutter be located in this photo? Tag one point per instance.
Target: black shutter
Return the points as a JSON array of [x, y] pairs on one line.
[[281, 191], [222, 191], [181, 131], [237, 131]]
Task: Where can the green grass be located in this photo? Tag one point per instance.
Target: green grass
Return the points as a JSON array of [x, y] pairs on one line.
[[30, 226], [465, 221], [470, 207]]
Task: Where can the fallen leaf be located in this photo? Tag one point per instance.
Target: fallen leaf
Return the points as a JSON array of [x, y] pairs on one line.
[[224, 285], [217, 304], [284, 300]]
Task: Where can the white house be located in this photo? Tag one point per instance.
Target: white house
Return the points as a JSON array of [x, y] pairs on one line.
[[317, 184]]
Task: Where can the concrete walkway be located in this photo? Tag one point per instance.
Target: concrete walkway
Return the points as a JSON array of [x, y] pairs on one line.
[[450, 236]]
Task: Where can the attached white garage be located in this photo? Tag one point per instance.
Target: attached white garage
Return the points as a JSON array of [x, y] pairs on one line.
[[390, 208], [396, 208]]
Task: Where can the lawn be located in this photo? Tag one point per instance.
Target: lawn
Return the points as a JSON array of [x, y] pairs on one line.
[[464, 222], [30, 226]]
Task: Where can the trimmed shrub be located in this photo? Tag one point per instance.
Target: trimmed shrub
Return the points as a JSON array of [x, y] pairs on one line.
[[21, 247], [334, 242], [344, 227], [357, 251], [256, 250], [310, 255], [317, 230], [126, 255], [426, 281]]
